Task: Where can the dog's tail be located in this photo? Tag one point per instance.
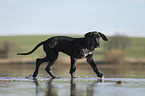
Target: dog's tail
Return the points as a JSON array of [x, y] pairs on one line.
[[37, 46]]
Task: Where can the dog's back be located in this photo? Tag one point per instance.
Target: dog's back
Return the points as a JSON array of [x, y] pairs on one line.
[[60, 39], [61, 44]]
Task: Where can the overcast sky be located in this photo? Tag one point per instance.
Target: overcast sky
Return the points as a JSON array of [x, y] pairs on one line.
[[72, 17]]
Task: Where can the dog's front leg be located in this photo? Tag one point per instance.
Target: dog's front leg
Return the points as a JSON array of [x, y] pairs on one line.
[[73, 67], [94, 66]]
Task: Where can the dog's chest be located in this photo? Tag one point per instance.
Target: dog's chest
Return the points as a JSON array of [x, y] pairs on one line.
[[85, 52]]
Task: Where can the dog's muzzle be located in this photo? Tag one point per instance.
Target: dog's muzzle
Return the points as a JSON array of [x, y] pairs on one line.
[[97, 45]]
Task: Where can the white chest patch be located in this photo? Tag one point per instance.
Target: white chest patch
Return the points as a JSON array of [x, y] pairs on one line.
[[85, 52]]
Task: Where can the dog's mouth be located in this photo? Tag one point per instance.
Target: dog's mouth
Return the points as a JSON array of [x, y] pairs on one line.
[[97, 45]]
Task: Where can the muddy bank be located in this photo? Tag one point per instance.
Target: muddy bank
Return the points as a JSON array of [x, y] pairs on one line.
[[17, 61]]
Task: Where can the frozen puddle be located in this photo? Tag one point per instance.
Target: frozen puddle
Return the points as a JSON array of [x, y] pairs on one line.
[[16, 86]]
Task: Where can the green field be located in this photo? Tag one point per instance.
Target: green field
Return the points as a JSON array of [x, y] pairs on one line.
[[26, 43]]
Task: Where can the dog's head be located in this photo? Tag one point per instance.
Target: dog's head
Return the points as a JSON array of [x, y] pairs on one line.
[[93, 39]]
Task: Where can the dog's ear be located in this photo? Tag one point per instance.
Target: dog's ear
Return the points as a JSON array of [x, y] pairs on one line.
[[87, 38], [103, 37]]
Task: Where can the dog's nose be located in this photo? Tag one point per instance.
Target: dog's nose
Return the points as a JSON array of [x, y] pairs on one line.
[[98, 43]]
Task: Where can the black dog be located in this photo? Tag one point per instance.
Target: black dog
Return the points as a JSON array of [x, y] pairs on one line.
[[76, 48]]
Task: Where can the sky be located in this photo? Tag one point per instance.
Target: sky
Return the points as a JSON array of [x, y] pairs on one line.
[[72, 17]]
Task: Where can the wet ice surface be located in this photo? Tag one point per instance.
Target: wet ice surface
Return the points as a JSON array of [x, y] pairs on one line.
[[16, 86], [14, 83]]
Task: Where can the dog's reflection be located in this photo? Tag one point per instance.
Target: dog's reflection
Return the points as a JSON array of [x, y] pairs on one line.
[[53, 91], [91, 88], [73, 88], [37, 86]]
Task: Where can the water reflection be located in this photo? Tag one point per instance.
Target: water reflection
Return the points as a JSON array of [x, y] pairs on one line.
[[37, 86], [51, 91], [73, 88], [69, 87], [90, 90]]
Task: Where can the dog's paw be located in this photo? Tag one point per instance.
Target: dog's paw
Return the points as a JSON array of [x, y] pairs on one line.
[[100, 76], [55, 77], [30, 76]]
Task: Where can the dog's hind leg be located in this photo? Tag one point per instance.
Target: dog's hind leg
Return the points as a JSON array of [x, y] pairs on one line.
[[51, 62], [49, 67], [38, 63]]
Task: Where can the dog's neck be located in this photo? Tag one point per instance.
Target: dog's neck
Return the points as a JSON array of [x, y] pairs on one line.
[[86, 46]]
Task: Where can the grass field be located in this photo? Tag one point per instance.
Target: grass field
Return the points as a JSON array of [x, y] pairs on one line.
[[138, 48], [26, 43]]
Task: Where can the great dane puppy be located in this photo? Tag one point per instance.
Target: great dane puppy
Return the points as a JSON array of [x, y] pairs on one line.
[[76, 48]]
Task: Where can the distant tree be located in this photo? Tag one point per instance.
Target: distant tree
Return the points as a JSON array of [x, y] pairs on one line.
[[120, 42], [8, 49], [4, 50], [115, 47]]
